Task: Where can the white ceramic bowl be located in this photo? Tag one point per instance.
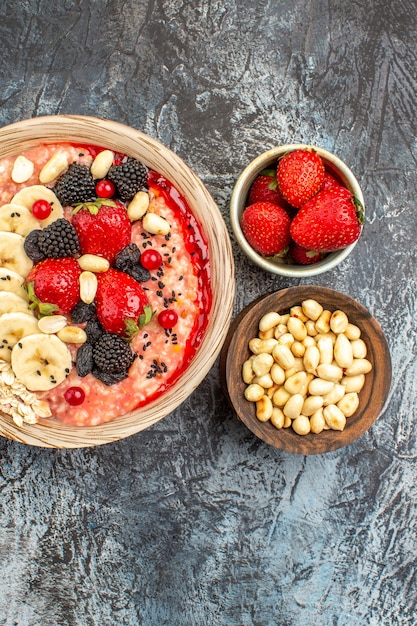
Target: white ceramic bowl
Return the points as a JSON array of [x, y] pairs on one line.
[[238, 202], [23, 135]]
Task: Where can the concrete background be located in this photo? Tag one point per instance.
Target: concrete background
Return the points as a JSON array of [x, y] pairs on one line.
[[194, 521]]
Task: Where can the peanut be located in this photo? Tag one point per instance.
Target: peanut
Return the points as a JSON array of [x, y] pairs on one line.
[[306, 368]]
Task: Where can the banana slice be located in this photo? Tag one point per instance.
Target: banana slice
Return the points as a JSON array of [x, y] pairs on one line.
[[13, 255], [14, 326], [16, 218], [41, 361], [28, 195], [12, 282], [11, 303]]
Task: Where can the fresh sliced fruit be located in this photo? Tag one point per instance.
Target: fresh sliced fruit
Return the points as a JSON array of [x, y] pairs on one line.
[[266, 227], [300, 175], [97, 223], [41, 361], [29, 195], [16, 218], [14, 326], [53, 286], [12, 253], [331, 220], [10, 302], [13, 282]]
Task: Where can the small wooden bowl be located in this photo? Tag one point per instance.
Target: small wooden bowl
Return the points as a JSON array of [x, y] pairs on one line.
[[21, 136], [276, 265], [372, 396]]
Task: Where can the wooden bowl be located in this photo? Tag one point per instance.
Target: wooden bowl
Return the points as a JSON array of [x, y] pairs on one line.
[[21, 136], [372, 396], [276, 265]]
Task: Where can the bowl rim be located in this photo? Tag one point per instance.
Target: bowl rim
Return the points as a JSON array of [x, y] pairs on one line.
[[124, 138], [285, 439], [241, 189]]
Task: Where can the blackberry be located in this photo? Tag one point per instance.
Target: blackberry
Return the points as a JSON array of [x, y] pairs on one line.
[[85, 360], [59, 239], [112, 355], [128, 261], [129, 178], [76, 185], [82, 312], [31, 246], [109, 378]]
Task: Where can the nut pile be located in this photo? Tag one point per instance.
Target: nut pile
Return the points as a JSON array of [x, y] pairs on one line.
[[306, 369]]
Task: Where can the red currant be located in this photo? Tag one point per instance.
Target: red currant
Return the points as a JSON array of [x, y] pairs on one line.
[[151, 259], [105, 188], [168, 318], [41, 209], [74, 396]]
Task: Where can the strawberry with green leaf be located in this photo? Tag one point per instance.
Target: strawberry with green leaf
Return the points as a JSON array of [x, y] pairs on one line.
[[121, 303], [265, 189], [329, 221], [300, 175], [53, 286], [103, 227]]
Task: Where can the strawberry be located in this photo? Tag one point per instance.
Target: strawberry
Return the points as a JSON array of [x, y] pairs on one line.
[[103, 227], [265, 189], [53, 286], [330, 181], [302, 256], [266, 227], [120, 302], [331, 220], [300, 175]]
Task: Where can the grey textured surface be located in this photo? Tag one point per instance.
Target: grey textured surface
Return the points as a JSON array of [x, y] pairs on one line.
[[194, 521]]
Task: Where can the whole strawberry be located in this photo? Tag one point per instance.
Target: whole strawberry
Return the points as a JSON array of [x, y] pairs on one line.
[[300, 175], [53, 286], [103, 227], [265, 189], [303, 256], [330, 182], [266, 227], [331, 220], [120, 301]]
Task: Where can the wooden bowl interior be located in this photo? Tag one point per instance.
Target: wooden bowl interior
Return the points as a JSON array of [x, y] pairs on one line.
[[372, 396], [20, 136]]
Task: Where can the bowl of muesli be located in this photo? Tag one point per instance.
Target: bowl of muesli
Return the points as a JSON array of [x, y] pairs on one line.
[[116, 281]]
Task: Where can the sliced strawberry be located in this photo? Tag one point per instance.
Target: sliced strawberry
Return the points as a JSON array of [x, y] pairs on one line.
[[300, 175], [53, 286], [266, 227], [120, 302], [302, 256], [331, 220], [103, 227]]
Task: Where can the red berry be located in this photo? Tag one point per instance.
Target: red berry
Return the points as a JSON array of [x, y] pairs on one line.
[[120, 302], [300, 175], [151, 259], [331, 220], [105, 188], [53, 285], [102, 229], [74, 396], [168, 318], [266, 227], [41, 209], [265, 189], [302, 256]]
